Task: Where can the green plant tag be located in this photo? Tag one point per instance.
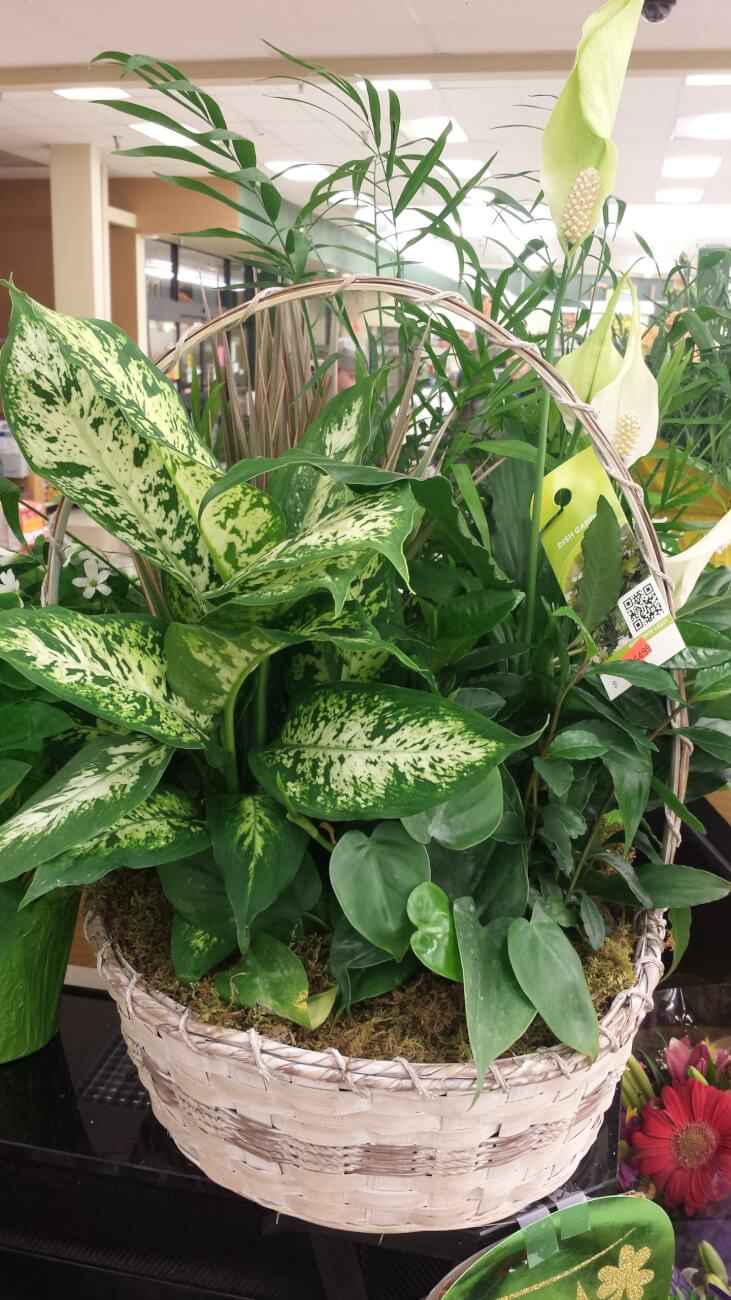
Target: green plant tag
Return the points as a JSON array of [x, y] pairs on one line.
[[602, 574]]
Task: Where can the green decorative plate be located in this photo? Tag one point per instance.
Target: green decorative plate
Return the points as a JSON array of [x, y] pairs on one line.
[[613, 1248]]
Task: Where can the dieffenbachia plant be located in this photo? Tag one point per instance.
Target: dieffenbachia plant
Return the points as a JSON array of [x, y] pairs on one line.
[[311, 728]]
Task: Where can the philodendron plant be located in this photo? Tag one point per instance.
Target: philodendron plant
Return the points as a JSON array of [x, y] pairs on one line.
[[309, 729]]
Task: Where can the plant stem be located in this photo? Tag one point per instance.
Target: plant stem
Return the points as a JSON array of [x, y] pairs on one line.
[[540, 469], [311, 829], [260, 704], [228, 741], [578, 869]]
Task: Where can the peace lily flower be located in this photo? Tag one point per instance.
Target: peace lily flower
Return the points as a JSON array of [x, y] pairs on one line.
[[579, 160], [685, 568], [94, 581], [627, 408], [9, 584], [596, 362]]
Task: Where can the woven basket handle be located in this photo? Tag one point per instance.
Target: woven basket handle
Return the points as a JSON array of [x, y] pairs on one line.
[[431, 299]]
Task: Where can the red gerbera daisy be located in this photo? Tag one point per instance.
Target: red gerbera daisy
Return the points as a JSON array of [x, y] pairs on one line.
[[684, 1144]]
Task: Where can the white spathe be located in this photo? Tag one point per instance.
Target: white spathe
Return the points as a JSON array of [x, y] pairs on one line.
[[685, 569], [627, 408]]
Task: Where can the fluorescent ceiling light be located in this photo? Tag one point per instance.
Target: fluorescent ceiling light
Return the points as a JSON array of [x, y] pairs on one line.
[[398, 84], [708, 79], [90, 93], [690, 168], [703, 126], [464, 168], [431, 127], [678, 195], [164, 135], [295, 171]]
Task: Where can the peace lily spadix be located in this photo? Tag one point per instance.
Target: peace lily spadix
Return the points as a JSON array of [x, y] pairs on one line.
[[579, 159], [627, 408], [685, 569]]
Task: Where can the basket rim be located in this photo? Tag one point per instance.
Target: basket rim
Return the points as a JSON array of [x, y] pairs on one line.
[[271, 1057]]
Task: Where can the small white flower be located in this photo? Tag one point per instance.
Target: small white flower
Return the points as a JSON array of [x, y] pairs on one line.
[[94, 581], [9, 584]]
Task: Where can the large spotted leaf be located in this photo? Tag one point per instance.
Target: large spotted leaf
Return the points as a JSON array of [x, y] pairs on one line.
[[376, 521], [236, 526], [284, 586], [113, 667], [164, 828], [93, 791], [84, 442], [366, 750], [204, 665], [258, 852], [344, 432], [116, 370]]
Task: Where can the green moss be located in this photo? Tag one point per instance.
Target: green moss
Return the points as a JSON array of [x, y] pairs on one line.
[[422, 1021]]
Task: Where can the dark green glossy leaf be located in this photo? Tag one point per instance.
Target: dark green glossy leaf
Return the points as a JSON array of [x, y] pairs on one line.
[[666, 885], [372, 877], [550, 974], [434, 941], [467, 819], [557, 774], [593, 922], [600, 584], [272, 976], [497, 1010]]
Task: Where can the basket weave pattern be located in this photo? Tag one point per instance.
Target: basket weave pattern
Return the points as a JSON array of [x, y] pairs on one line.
[[379, 1146], [389, 1146]]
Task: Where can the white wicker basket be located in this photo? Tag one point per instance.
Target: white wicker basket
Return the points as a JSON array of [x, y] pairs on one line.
[[388, 1146]]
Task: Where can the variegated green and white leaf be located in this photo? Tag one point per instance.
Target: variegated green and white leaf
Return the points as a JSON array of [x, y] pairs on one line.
[[85, 445], [258, 852], [164, 828], [105, 780], [117, 370], [343, 432], [376, 521], [195, 951], [376, 592], [113, 667], [366, 750], [236, 526], [284, 586], [204, 666]]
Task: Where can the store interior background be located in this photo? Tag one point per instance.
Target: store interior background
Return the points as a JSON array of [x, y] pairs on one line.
[[90, 232]]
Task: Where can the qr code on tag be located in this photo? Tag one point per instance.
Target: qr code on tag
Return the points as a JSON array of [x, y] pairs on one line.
[[643, 606]]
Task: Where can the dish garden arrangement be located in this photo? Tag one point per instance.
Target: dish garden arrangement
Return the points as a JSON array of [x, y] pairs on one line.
[[369, 796]]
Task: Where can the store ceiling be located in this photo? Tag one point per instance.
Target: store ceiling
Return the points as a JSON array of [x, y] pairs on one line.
[[495, 113]]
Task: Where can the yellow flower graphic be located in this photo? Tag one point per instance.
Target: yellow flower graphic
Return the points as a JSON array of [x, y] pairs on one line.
[[627, 1279]]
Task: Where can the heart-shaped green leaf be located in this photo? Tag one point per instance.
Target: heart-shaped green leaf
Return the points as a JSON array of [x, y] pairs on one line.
[[549, 971], [272, 976], [435, 939], [373, 878], [466, 819]]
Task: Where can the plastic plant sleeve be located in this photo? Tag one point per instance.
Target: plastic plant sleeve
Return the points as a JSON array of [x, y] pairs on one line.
[[32, 972]]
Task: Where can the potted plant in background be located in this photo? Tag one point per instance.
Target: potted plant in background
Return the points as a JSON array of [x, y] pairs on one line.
[[38, 736], [361, 741]]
